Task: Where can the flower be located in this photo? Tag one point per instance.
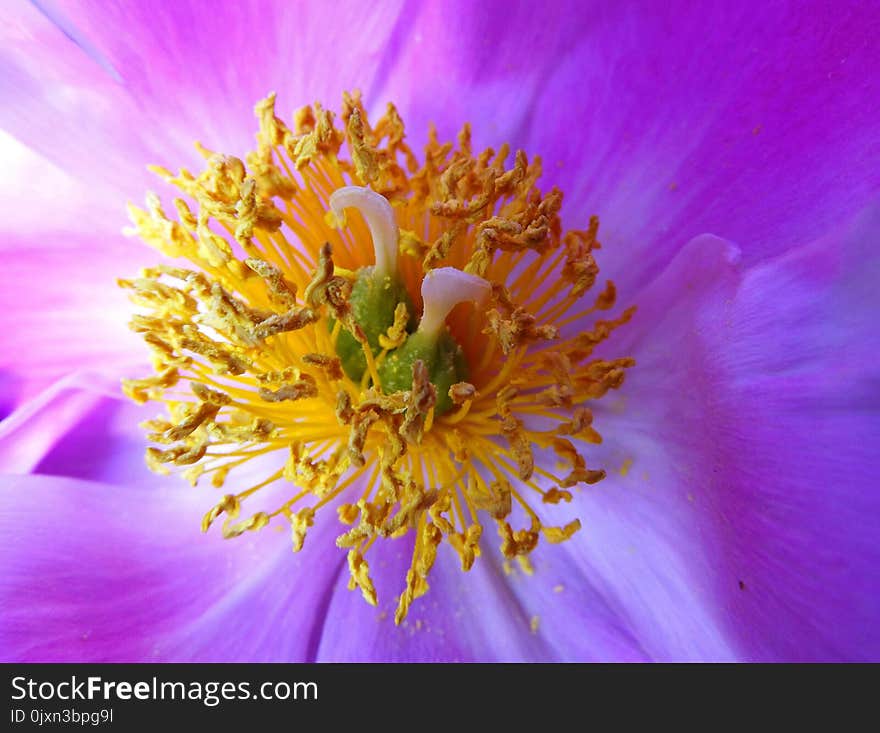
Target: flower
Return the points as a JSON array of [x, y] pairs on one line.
[[427, 420], [737, 520]]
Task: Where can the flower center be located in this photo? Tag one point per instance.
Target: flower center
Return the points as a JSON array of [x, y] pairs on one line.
[[381, 312], [394, 339]]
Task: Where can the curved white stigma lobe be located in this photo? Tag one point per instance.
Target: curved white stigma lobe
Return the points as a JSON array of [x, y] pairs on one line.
[[380, 219], [442, 290]]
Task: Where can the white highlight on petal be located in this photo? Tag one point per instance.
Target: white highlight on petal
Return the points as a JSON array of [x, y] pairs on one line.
[[380, 219], [442, 290]]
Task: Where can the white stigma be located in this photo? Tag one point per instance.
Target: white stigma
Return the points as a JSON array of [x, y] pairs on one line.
[[442, 290], [380, 219]]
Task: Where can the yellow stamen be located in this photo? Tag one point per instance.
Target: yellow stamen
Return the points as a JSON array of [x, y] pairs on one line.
[[248, 365]]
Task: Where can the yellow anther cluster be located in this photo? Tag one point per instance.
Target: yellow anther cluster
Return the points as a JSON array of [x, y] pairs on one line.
[[243, 332]]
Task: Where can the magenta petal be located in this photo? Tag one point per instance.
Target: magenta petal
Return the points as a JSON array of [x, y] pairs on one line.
[[94, 572]]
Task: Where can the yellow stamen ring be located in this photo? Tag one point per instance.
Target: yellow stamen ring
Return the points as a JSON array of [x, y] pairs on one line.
[[247, 365]]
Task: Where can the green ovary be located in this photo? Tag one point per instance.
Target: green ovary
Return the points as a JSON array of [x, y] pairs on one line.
[[442, 357]]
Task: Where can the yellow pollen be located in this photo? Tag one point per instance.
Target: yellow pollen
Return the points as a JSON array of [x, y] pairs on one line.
[[246, 332]]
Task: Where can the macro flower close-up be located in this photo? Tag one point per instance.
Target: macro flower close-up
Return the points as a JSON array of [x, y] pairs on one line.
[[440, 331]]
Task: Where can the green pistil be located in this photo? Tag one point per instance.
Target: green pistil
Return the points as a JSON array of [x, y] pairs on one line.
[[378, 290], [373, 300]]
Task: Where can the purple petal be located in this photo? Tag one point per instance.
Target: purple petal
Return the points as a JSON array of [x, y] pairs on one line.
[[754, 121], [39, 198], [482, 616], [124, 574], [641, 546], [748, 511], [82, 427], [64, 310], [705, 120], [799, 359], [105, 89], [36, 428], [95, 572]]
